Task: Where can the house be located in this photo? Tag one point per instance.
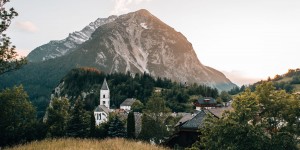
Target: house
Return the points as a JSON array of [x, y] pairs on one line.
[[187, 130], [126, 105], [205, 103], [101, 112]]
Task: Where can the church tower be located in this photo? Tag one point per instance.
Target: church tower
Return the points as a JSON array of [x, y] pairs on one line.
[[104, 95]]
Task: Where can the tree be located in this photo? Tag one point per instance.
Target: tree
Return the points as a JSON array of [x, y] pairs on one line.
[[92, 125], [17, 116], [156, 108], [153, 119], [137, 106], [79, 122], [8, 55], [263, 119], [130, 125], [116, 128], [57, 116], [225, 96]]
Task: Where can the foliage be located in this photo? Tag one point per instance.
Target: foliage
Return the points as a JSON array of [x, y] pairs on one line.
[[17, 116], [92, 125], [57, 117], [225, 96], [264, 119], [122, 86], [89, 80], [131, 125], [116, 128], [83, 144], [79, 122], [8, 55], [153, 120], [137, 106]]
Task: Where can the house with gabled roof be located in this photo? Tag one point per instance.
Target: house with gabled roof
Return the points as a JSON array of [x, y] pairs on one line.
[[187, 130], [205, 103], [126, 105]]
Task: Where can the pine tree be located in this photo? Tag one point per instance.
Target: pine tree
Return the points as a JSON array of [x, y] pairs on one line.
[[92, 125], [116, 128], [131, 125], [57, 117], [79, 123]]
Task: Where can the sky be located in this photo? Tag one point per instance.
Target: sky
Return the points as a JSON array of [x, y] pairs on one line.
[[248, 40]]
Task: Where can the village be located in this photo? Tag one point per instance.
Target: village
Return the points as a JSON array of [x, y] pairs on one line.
[[186, 130]]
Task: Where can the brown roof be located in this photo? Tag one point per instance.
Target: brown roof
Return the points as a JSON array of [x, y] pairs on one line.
[[219, 111]]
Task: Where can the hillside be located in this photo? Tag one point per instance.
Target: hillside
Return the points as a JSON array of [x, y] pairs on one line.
[[83, 144], [290, 82], [86, 82]]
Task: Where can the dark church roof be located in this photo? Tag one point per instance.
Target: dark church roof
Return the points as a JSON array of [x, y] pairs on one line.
[[128, 102], [101, 108], [104, 85]]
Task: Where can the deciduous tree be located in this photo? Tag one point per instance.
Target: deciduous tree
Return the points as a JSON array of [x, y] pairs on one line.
[[8, 55], [17, 116]]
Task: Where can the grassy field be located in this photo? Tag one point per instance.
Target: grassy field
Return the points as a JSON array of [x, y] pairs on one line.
[[297, 87], [87, 144]]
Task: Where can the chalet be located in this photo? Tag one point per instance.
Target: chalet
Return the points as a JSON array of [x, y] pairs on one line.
[[205, 103], [101, 112], [126, 105], [187, 130]]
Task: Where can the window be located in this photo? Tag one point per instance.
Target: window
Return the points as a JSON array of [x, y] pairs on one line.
[[103, 96], [103, 102]]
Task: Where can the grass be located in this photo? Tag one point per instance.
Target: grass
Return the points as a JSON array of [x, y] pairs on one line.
[[285, 79], [89, 144], [296, 87]]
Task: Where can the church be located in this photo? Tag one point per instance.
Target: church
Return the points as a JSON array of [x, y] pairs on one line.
[[101, 112]]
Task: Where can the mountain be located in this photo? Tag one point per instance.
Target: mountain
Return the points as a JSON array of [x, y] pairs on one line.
[[136, 42], [62, 47]]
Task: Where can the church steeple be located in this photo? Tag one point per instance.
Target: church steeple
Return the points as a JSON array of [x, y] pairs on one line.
[[104, 95], [104, 85]]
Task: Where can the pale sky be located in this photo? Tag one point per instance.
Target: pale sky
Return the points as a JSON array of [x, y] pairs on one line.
[[247, 40]]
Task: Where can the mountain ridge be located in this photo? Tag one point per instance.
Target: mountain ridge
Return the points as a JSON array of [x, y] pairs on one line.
[[137, 42]]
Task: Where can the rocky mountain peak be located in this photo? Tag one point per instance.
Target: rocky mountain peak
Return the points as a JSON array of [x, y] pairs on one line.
[[58, 48], [136, 42]]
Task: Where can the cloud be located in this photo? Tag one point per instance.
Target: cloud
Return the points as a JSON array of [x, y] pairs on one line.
[[26, 26], [122, 6]]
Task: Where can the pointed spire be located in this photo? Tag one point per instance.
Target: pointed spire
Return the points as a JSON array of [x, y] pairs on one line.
[[104, 85]]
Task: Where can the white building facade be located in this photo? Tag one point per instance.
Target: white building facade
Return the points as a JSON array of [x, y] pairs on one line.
[[101, 112]]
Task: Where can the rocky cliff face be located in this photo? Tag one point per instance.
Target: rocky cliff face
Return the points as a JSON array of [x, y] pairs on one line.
[[137, 42], [59, 48]]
